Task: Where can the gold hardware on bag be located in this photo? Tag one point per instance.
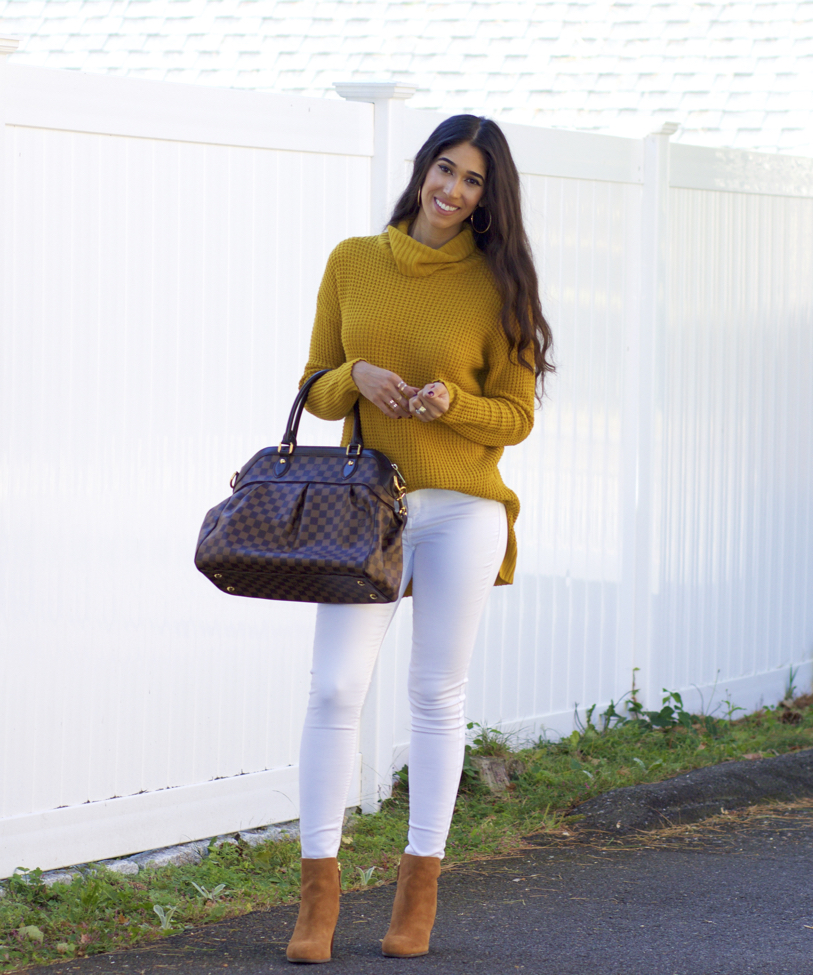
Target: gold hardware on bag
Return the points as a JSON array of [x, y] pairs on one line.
[[400, 485], [289, 451], [229, 588], [357, 452], [218, 575], [359, 582], [400, 490], [233, 479], [373, 596]]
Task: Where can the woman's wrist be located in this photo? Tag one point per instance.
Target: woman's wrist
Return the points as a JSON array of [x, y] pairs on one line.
[[353, 371]]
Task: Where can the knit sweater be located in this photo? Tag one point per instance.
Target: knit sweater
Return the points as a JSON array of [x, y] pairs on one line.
[[426, 314]]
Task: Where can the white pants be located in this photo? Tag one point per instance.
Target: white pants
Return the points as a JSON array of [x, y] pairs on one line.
[[454, 545]]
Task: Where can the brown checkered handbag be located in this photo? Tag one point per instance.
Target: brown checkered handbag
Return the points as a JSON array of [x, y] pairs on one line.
[[309, 524]]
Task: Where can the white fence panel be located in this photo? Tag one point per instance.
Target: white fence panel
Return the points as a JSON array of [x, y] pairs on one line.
[[561, 627], [157, 301], [735, 521]]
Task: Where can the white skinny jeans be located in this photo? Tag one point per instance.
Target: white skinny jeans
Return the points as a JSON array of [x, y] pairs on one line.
[[454, 545]]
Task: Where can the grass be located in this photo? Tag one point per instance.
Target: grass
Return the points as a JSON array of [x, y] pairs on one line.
[[100, 911]]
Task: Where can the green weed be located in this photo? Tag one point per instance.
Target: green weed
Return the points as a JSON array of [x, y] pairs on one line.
[[365, 876], [490, 742], [165, 915], [209, 895]]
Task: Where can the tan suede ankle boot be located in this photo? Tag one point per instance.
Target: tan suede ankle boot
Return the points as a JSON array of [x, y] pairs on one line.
[[413, 912], [312, 940]]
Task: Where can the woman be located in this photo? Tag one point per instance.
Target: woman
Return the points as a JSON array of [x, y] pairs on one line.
[[435, 327]]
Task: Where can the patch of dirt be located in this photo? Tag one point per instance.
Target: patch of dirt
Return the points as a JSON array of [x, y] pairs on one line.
[[796, 815], [700, 793]]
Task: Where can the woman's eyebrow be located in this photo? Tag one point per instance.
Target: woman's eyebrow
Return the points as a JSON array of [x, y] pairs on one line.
[[471, 172]]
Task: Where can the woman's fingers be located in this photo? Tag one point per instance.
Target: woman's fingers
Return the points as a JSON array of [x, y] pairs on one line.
[[383, 389], [406, 390], [396, 398], [430, 402], [422, 408], [405, 393], [438, 394], [395, 405], [398, 402]]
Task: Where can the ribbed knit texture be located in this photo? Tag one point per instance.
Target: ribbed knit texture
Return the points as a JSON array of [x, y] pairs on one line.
[[426, 315]]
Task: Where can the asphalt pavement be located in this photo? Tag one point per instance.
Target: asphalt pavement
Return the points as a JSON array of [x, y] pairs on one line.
[[732, 895]]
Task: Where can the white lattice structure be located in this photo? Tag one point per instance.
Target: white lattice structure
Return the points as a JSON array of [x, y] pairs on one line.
[[732, 73]]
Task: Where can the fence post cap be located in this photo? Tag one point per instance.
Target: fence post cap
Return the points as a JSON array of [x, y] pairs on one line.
[[8, 45], [667, 129], [373, 91]]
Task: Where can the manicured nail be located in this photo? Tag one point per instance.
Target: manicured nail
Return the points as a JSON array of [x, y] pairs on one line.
[[430, 393]]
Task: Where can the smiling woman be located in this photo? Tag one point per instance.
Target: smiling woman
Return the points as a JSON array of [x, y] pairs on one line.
[[436, 320]]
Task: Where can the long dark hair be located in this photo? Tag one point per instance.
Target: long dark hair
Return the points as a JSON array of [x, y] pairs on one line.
[[503, 240]]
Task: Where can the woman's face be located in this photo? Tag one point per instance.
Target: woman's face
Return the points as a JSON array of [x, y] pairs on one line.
[[452, 189]]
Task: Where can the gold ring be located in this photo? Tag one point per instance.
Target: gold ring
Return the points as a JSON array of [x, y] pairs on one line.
[[393, 404], [402, 385], [421, 409]]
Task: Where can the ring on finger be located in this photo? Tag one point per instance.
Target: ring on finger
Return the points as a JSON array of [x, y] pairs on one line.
[[402, 385], [393, 404], [421, 409]]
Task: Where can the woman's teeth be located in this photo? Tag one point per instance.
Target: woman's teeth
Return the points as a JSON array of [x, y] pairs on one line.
[[444, 207]]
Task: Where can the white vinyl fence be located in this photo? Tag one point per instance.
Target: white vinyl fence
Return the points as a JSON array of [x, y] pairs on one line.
[[161, 250]]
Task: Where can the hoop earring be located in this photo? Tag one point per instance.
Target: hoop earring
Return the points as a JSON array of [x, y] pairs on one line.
[[488, 225], [419, 196]]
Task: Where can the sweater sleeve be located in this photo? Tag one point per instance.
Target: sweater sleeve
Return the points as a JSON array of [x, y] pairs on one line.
[[332, 396], [504, 414]]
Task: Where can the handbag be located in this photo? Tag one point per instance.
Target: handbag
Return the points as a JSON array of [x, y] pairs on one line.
[[309, 524]]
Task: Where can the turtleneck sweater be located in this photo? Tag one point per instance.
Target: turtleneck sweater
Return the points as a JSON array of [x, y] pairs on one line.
[[426, 314]]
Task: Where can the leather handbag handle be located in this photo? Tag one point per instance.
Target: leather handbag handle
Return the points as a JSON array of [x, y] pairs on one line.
[[289, 437]]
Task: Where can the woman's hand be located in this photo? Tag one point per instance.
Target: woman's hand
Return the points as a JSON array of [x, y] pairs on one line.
[[383, 389], [430, 402]]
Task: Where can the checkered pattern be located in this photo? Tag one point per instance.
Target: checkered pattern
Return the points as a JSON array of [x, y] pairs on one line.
[[311, 535]]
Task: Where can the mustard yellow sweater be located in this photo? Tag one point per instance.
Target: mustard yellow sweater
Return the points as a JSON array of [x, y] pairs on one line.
[[426, 315]]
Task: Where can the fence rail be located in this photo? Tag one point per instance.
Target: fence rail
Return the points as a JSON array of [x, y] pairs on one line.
[[161, 250]]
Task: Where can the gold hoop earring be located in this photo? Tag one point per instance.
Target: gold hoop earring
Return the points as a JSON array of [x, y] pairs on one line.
[[488, 225], [420, 188]]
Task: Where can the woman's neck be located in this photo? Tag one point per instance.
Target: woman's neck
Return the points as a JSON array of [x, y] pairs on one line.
[[422, 231]]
